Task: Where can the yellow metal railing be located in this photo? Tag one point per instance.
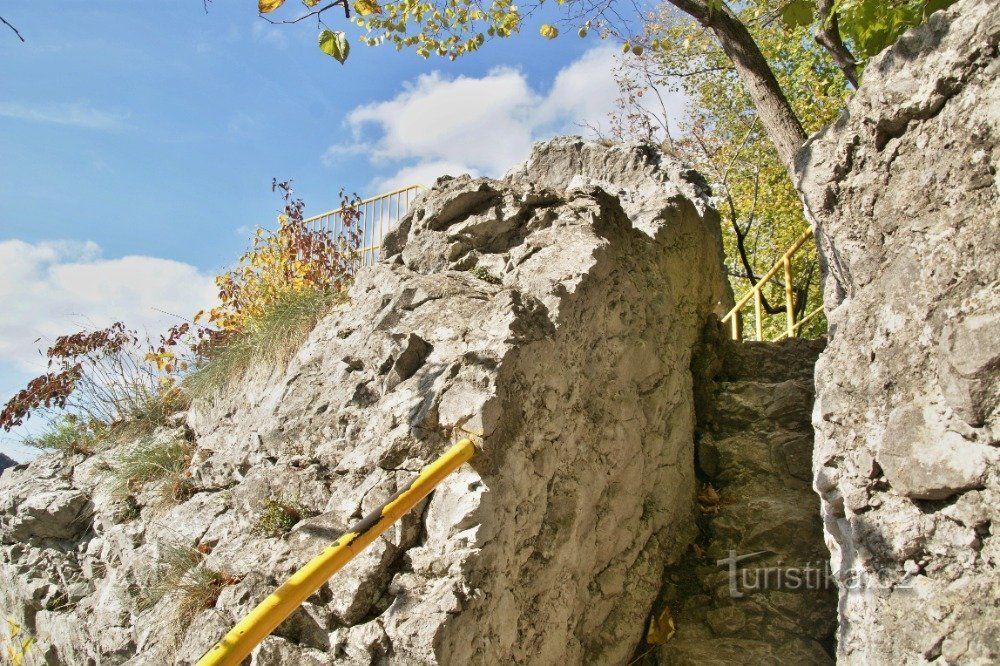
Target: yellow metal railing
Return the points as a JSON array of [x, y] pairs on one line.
[[377, 216], [734, 319], [265, 618]]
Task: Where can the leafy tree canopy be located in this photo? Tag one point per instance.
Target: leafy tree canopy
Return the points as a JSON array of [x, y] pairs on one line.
[[452, 28]]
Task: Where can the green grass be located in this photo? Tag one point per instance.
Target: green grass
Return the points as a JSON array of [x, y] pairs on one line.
[[152, 462], [185, 581], [78, 434], [269, 339], [150, 410], [67, 435]]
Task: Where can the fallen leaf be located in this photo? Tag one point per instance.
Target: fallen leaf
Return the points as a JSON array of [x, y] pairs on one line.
[[661, 628]]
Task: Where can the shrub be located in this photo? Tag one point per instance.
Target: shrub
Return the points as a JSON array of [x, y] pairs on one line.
[[292, 260], [104, 387]]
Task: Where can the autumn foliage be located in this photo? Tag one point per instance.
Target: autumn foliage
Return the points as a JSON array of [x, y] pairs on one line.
[[292, 259], [110, 376]]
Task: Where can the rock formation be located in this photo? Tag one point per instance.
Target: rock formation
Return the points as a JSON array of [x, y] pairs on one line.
[[904, 193], [552, 313], [6, 461]]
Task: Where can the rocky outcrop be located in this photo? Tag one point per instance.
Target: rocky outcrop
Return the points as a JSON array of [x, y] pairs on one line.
[[904, 193], [754, 588], [6, 461], [552, 314]]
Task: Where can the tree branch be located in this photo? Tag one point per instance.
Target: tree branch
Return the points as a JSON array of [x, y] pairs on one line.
[[315, 12], [775, 112], [829, 38], [4, 21]]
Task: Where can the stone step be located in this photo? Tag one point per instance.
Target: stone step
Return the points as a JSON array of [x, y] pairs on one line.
[[772, 361], [784, 455], [742, 406]]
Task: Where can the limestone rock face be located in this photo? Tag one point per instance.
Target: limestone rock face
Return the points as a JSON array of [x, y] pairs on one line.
[[553, 314], [904, 192]]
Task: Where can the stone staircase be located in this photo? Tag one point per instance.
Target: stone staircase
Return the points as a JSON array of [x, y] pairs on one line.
[[754, 589]]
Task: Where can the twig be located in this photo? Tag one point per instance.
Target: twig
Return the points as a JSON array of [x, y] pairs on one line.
[[4, 21], [315, 12]]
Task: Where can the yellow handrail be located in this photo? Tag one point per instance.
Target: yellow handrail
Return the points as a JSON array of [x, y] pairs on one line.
[[792, 327], [265, 618], [378, 215]]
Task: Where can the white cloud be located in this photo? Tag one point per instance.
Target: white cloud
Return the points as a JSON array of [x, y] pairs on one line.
[[56, 287], [481, 125], [422, 173], [265, 33], [76, 114]]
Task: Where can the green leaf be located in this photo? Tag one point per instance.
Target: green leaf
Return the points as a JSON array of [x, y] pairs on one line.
[[335, 45], [798, 13]]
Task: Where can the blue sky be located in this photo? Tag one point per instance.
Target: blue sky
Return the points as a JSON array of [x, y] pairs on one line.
[[138, 141]]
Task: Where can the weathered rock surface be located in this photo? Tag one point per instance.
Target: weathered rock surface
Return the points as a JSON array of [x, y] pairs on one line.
[[754, 589], [554, 321], [904, 192]]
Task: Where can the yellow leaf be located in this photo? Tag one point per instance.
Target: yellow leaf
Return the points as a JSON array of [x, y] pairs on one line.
[[548, 31], [367, 7], [661, 629], [268, 6], [310, 3]]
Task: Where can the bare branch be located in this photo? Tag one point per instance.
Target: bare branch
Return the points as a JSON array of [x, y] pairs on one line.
[[315, 12], [4, 21]]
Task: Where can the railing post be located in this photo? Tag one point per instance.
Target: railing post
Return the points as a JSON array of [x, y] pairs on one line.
[[789, 296], [759, 324]]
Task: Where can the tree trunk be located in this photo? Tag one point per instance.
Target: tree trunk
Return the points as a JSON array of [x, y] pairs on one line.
[[775, 113]]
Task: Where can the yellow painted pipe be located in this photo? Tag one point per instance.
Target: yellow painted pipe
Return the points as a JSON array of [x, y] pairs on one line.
[[265, 618]]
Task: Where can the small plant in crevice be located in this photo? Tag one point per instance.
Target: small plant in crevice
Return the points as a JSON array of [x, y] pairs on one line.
[[183, 580], [153, 462], [485, 275], [67, 434], [126, 510], [279, 517]]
